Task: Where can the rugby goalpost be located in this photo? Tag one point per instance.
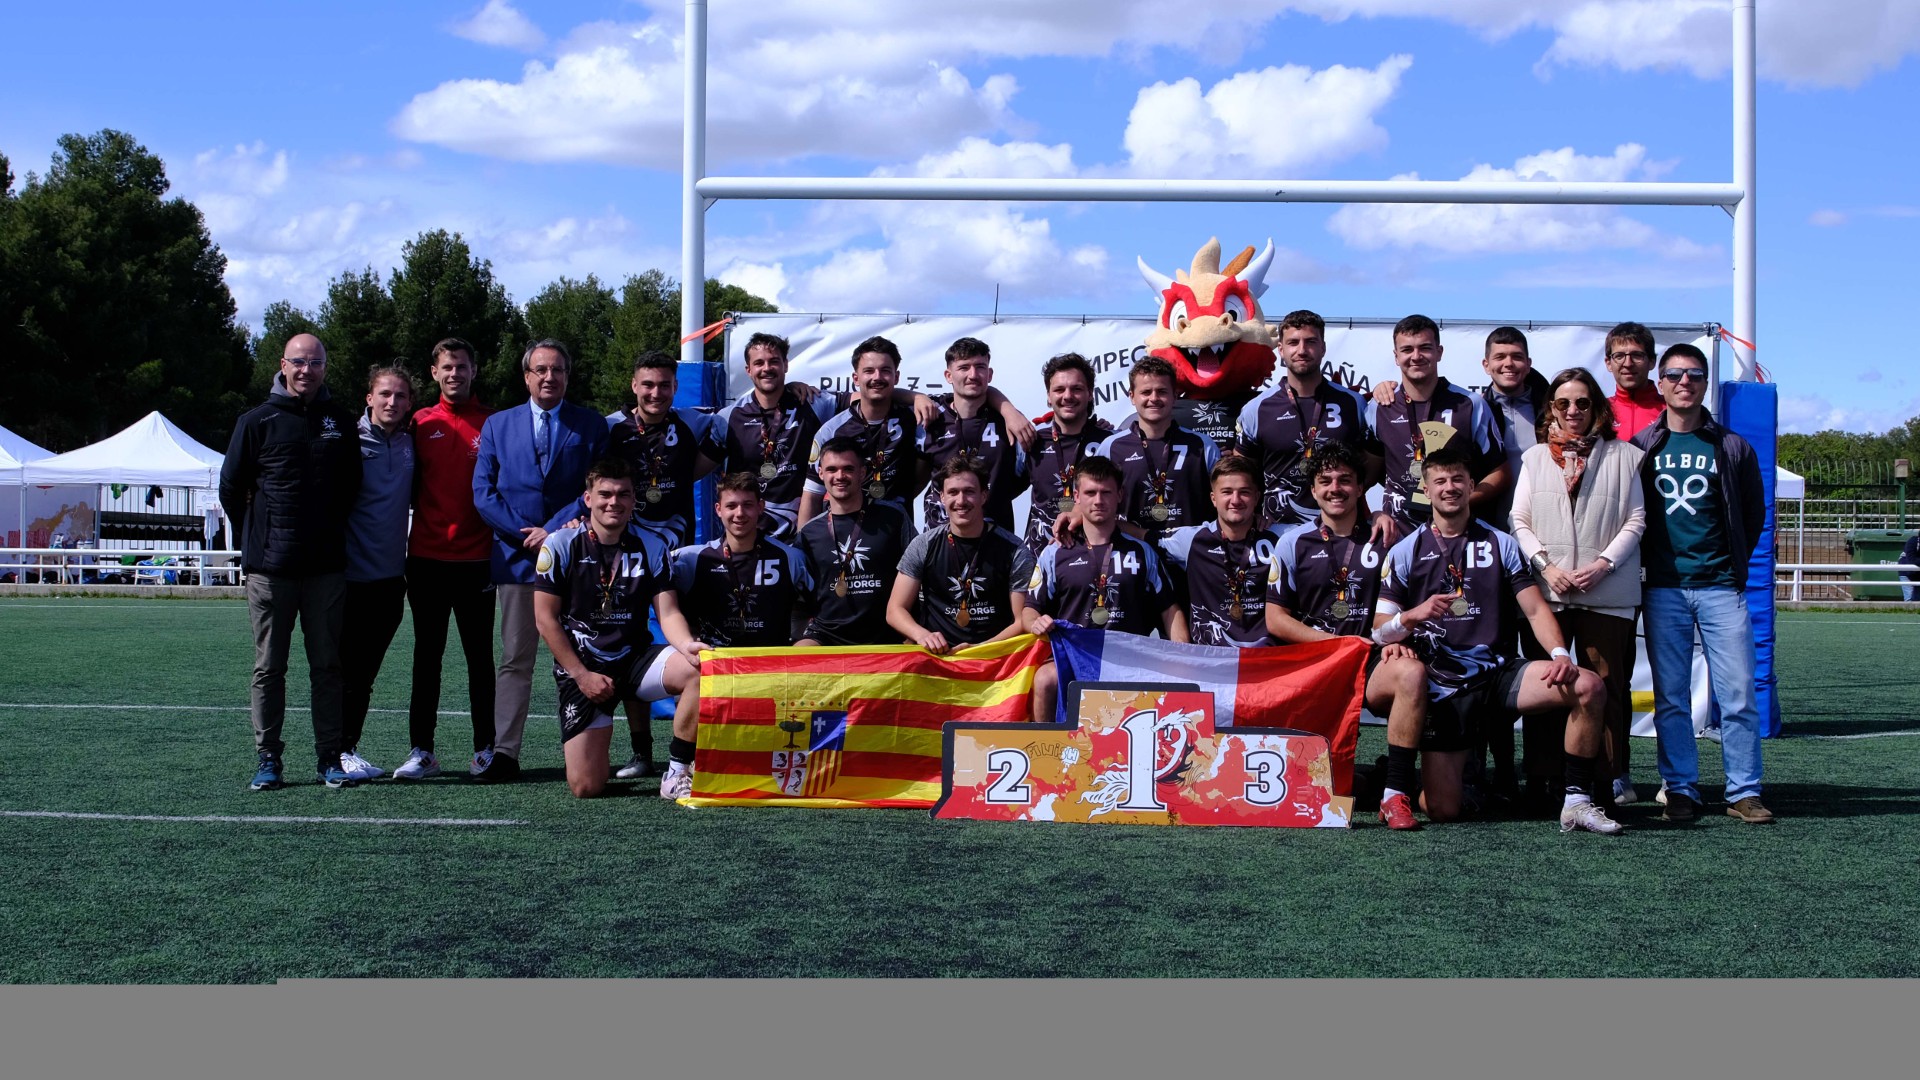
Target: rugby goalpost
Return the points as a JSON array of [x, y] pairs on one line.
[[1753, 415]]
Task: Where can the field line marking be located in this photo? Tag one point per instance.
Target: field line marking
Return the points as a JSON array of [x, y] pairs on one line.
[[232, 819], [187, 708], [1865, 735]]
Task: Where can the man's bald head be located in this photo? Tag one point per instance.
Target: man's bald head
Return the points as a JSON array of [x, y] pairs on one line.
[[303, 365]]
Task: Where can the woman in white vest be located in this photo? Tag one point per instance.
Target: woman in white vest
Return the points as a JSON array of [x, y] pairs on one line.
[[1578, 514]]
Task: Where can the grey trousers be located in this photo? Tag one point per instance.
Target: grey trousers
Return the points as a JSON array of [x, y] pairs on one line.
[[318, 603], [513, 677]]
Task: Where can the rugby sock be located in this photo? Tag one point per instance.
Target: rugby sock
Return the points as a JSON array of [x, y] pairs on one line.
[[1580, 771], [680, 750], [1400, 773]]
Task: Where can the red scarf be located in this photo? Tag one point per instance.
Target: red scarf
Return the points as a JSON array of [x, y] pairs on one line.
[[1570, 453]]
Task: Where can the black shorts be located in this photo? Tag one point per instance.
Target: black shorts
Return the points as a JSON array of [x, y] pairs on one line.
[[1456, 721], [637, 678]]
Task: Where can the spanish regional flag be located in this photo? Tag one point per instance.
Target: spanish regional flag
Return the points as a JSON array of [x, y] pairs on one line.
[[846, 727]]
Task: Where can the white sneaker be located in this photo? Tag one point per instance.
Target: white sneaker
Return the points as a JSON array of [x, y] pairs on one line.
[[481, 759], [678, 783], [419, 765], [1590, 817], [1623, 792], [359, 768], [1661, 795], [634, 769]]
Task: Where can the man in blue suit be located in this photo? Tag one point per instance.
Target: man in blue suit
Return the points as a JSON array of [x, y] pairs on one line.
[[532, 465]]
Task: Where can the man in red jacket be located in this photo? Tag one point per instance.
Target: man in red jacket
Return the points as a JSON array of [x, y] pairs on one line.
[[447, 570], [1636, 397]]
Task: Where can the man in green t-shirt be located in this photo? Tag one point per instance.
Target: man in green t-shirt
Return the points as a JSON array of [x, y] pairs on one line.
[[1705, 511]]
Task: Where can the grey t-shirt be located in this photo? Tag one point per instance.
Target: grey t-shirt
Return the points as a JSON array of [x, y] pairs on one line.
[[966, 586]]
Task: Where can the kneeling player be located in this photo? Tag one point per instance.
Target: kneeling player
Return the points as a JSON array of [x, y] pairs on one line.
[[592, 587], [1325, 581], [1445, 591], [1107, 579]]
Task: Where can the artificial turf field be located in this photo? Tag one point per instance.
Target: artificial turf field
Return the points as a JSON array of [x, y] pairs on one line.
[[634, 886]]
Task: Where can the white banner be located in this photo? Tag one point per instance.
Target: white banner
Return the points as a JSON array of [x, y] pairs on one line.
[[1359, 352]]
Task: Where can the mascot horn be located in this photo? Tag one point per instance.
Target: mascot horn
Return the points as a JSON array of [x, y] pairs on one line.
[[1210, 326]]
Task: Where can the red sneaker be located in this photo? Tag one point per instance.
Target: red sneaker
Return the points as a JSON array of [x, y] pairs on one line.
[[1396, 812]]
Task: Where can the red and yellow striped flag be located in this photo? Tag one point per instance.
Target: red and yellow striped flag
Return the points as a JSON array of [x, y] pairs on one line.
[[847, 727]]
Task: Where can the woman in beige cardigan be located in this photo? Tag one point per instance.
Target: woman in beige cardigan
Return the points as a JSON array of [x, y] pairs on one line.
[[1578, 514]]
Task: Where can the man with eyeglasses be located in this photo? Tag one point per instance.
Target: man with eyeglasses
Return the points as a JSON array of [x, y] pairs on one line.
[[290, 479], [1705, 510], [1636, 397]]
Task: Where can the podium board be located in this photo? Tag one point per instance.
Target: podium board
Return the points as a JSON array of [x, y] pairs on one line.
[[1139, 754]]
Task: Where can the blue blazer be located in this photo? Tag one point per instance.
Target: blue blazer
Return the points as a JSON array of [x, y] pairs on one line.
[[508, 489]]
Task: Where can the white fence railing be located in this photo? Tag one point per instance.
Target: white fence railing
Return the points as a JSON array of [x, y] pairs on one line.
[[1794, 575], [92, 566]]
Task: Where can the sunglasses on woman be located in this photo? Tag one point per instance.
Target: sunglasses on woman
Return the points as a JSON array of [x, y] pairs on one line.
[[1584, 404]]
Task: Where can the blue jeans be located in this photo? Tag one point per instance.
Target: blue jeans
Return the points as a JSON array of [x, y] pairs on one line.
[[1726, 635]]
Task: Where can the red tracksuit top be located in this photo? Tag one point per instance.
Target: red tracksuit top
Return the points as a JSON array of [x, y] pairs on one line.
[[446, 441]]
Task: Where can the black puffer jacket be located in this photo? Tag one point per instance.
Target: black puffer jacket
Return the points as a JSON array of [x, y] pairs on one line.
[[291, 476]]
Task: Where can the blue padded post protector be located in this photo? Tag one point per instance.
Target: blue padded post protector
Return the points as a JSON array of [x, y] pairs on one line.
[[1752, 411]]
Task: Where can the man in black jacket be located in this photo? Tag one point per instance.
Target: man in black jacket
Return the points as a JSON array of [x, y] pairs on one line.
[[290, 478], [1705, 512]]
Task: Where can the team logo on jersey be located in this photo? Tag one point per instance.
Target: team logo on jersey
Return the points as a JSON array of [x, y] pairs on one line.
[[1273, 572], [544, 565], [813, 458], [1033, 584]]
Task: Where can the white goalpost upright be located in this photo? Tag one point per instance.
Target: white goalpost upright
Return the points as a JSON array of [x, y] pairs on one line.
[[700, 191]]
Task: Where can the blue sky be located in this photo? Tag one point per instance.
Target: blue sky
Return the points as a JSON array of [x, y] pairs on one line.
[[319, 138]]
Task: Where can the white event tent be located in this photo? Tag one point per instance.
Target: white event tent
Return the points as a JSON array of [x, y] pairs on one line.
[[150, 451], [15, 452]]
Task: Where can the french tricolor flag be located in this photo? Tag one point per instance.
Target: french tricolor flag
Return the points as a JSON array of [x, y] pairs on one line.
[[1318, 687]]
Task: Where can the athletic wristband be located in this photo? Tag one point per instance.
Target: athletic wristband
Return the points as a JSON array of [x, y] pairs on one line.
[[1390, 631], [1560, 651], [1539, 560]]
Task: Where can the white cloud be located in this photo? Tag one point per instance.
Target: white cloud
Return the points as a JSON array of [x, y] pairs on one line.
[[1834, 43], [501, 24], [1451, 229], [1827, 219], [1278, 121], [1807, 413]]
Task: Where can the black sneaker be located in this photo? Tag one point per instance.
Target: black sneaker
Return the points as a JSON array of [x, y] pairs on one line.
[[503, 769], [334, 776], [1680, 809], [268, 776]]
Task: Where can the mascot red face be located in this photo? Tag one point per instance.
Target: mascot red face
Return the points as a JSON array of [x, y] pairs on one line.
[[1211, 329]]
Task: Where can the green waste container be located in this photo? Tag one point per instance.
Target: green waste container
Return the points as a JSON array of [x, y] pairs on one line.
[[1876, 547]]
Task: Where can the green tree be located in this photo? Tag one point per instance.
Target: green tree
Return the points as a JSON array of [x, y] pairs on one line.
[[281, 321], [442, 291], [358, 327], [580, 314], [116, 303], [649, 316]]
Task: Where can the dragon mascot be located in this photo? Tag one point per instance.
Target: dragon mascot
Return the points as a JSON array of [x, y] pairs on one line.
[[1212, 332]]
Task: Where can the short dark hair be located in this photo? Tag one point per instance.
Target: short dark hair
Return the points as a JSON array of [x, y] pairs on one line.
[[844, 444], [381, 371], [1334, 455], [1097, 468], [657, 361], [1684, 351], [768, 341], [526, 358], [1066, 361], [955, 465], [1151, 365], [449, 345], [1447, 457], [1630, 331], [1305, 318], [1505, 335], [878, 344], [1602, 409], [966, 348], [609, 468], [737, 481], [1416, 324], [1236, 465]]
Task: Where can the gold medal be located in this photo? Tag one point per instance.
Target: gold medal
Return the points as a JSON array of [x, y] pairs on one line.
[[769, 470], [1158, 512], [1413, 471], [963, 618], [654, 494], [1065, 503], [1340, 610], [1459, 605], [876, 489], [1099, 616], [840, 586]]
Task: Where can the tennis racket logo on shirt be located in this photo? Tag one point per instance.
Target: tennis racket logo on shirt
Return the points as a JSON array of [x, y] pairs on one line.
[[1682, 495]]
